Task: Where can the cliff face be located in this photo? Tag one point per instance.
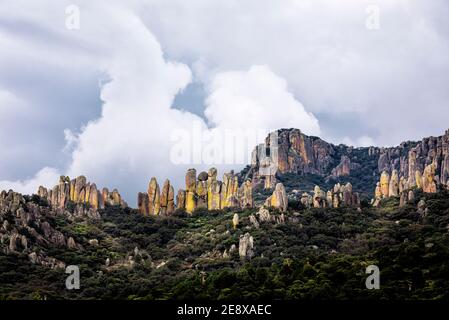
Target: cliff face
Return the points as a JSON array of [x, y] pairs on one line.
[[297, 153], [300, 154]]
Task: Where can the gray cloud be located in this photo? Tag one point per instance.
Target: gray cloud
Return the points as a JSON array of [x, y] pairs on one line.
[[363, 86]]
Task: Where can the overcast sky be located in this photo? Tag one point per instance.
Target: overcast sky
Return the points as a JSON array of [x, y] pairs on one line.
[[107, 99]]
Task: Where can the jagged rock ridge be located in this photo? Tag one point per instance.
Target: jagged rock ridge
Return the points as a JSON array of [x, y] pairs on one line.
[[202, 191], [302, 155], [79, 191]]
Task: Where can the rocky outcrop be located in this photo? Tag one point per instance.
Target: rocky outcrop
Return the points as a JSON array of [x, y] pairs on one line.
[[156, 202], [406, 197], [264, 215], [181, 199], [246, 246], [190, 190], [229, 189], [204, 191], [290, 151], [26, 228], [344, 168], [246, 196], [400, 187], [235, 221], [209, 193], [393, 189], [143, 203], [154, 197], [201, 190], [79, 191], [338, 196], [167, 199], [213, 190], [429, 182], [294, 152], [385, 184], [278, 199]]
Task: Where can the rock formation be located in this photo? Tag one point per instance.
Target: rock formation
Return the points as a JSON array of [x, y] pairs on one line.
[[246, 196], [26, 227], [385, 184], [393, 190], [79, 191], [201, 190], [181, 199], [229, 189], [154, 197], [155, 202], [213, 190], [190, 190], [296, 153], [343, 169], [340, 195], [167, 199], [400, 187], [278, 199], [235, 221], [143, 203], [429, 183], [290, 151], [406, 197], [204, 191], [246, 246]]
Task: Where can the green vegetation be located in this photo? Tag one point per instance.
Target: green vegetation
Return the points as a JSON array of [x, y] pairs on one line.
[[316, 254]]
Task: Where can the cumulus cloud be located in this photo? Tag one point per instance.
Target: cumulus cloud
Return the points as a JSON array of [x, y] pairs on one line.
[[256, 99], [363, 141], [259, 61], [330, 59], [46, 176], [9, 104], [133, 139]]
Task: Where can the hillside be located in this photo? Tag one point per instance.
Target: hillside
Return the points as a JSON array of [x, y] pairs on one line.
[[303, 229], [305, 254], [304, 161]]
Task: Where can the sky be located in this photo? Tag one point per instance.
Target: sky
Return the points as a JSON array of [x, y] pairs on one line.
[[120, 92]]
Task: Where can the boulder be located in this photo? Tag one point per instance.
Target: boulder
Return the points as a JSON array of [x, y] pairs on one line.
[[279, 198], [235, 221], [246, 246]]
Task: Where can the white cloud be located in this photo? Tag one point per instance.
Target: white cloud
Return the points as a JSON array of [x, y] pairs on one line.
[[255, 58], [256, 99], [9, 104], [45, 177], [363, 141], [331, 61], [132, 140]]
